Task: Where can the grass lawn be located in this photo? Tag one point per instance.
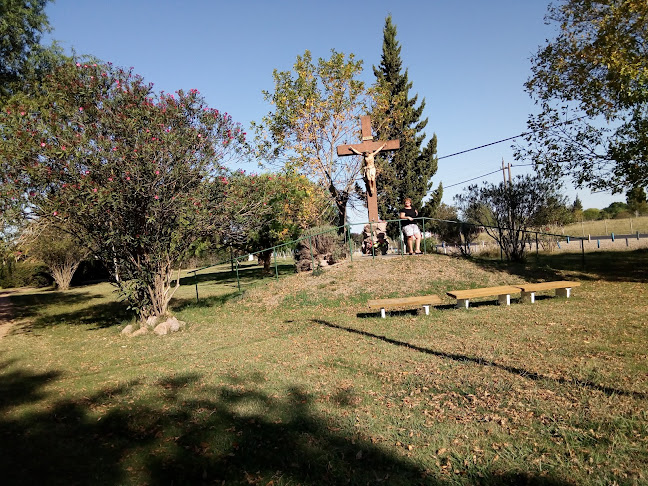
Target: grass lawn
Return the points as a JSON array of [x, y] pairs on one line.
[[295, 382]]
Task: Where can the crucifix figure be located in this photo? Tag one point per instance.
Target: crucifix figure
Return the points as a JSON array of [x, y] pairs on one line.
[[369, 148]]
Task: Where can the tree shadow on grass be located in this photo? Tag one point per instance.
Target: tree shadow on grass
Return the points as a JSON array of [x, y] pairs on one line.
[[246, 274], [207, 302], [28, 304], [234, 433], [613, 266], [100, 315], [531, 375]]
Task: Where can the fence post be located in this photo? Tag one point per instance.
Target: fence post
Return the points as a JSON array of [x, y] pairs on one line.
[[310, 246], [196, 284], [537, 246], [424, 238], [276, 268], [350, 246], [400, 234], [583, 250], [373, 246]]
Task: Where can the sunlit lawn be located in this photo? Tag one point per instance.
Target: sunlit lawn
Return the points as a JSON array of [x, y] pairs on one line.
[[295, 382]]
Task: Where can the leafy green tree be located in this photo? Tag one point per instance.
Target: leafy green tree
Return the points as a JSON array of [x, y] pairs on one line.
[[56, 248], [316, 108], [508, 212], [287, 205], [636, 199], [577, 209], [22, 58], [613, 210], [406, 172], [592, 214], [594, 73], [136, 177]]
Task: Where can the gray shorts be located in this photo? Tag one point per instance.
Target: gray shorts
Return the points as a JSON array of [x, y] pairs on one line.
[[411, 229]]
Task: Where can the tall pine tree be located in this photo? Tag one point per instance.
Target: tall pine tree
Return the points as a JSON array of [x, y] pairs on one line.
[[406, 172]]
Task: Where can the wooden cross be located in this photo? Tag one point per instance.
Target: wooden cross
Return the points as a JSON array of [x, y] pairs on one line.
[[368, 149]]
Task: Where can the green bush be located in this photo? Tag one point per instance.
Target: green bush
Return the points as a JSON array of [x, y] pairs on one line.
[[24, 274]]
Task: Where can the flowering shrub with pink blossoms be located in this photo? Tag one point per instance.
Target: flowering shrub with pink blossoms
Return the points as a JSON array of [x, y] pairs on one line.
[[138, 177]]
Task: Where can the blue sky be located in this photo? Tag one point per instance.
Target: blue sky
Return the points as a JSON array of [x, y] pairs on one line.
[[468, 59]]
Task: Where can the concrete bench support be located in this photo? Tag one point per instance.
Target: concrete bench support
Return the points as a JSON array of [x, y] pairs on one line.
[[503, 294], [562, 287], [424, 301]]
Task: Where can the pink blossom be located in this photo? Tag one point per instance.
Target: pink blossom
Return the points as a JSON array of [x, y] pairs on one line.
[[55, 213], [78, 64], [128, 178], [63, 147], [80, 108], [42, 144], [157, 172], [110, 179], [22, 113], [157, 197], [94, 190]]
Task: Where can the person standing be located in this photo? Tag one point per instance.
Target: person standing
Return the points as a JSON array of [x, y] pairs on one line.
[[411, 230]]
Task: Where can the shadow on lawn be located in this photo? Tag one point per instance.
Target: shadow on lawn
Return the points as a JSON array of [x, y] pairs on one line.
[[236, 434], [485, 362], [101, 315], [613, 266], [246, 273]]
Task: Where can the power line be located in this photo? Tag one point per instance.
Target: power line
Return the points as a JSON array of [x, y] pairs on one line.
[[566, 122], [483, 146], [474, 178]]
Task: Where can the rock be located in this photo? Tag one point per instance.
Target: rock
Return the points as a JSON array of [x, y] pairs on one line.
[[128, 330], [162, 329], [175, 325], [140, 332], [151, 321]]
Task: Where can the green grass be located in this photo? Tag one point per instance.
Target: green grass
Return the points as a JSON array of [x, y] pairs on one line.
[[295, 382]]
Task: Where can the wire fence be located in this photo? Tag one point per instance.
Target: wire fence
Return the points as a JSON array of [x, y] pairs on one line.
[[536, 240]]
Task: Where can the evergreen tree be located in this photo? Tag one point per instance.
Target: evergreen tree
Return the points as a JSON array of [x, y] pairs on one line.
[[406, 172]]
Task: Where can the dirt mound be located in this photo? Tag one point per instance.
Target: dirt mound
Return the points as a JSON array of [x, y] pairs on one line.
[[381, 277]]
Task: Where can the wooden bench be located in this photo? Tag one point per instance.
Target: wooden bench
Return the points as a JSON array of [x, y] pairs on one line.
[[562, 287], [404, 302], [503, 292]]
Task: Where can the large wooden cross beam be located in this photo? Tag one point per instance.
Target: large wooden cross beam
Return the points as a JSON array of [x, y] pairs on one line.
[[369, 148]]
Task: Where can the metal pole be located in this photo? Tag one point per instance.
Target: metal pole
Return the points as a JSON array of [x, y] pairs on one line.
[[424, 245], [276, 268], [350, 247], [583, 250], [310, 245], [238, 280], [400, 234], [196, 283]]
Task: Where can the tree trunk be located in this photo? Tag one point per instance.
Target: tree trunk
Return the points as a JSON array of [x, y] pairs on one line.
[[63, 273], [266, 258]]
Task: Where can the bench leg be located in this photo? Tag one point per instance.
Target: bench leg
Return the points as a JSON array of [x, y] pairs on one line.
[[382, 312], [462, 303], [528, 297], [563, 292], [426, 308], [504, 299]]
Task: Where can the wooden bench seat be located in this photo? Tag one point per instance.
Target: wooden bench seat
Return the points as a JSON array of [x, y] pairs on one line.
[[404, 302], [503, 292], [562, 287]]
